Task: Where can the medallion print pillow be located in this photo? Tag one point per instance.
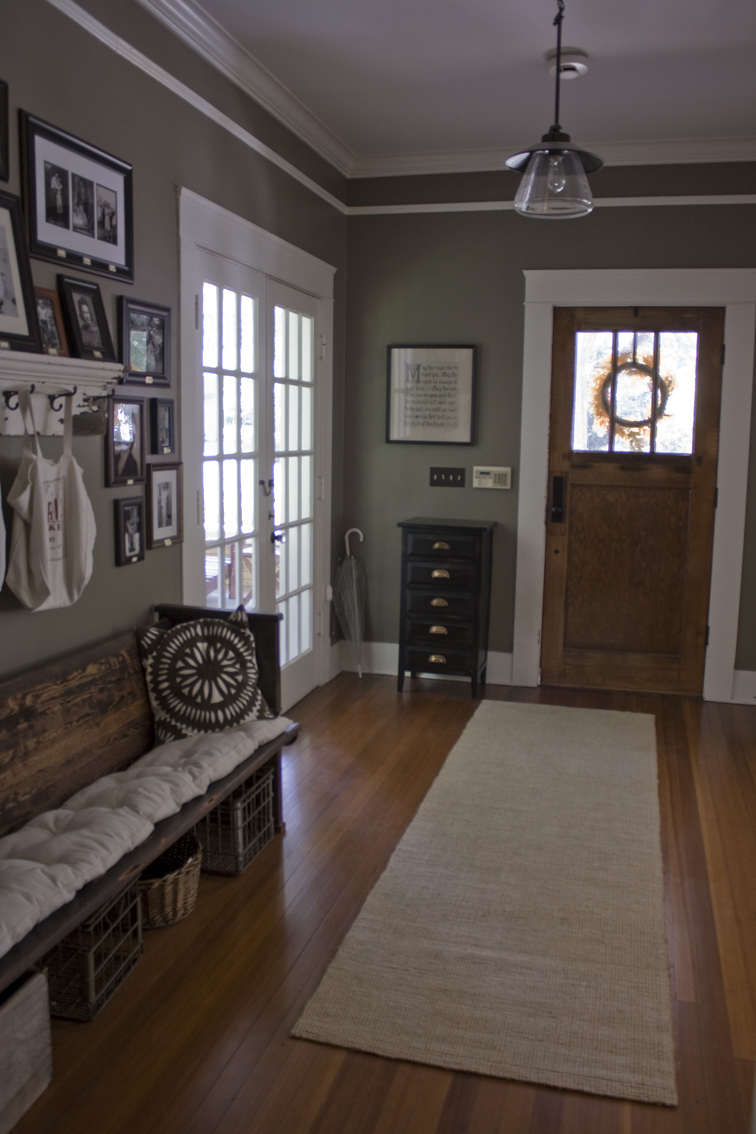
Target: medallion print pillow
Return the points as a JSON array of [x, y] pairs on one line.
[[201, 676]]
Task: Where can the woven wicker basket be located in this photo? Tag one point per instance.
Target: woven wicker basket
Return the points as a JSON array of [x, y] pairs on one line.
[[168, 887]]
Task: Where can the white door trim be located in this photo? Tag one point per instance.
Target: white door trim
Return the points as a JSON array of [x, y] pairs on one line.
[[209, 227], [731, 288]]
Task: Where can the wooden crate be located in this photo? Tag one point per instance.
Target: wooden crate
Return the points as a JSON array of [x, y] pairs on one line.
[[25, 1051], [240, 826]]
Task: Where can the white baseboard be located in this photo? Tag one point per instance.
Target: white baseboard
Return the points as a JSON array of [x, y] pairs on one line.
[[383, 657]]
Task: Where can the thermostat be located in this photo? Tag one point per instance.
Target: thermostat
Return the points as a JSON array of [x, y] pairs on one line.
[[492, 476]]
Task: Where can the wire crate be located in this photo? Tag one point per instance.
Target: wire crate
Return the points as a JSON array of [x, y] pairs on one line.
[[169, 885], [235, 832], [91, 963]]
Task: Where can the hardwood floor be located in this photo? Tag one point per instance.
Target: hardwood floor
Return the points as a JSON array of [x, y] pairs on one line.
[[197, 1040]]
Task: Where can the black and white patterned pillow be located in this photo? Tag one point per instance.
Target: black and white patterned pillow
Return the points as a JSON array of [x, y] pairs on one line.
[[201, 676]]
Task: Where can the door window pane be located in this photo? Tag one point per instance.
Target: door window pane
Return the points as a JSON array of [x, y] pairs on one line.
[[590, 423], [307, 417], [210, 413], [249, 575], [209, 325], [281, 609], [293, 494], [279, 343], [279, 491], [211, 494], [248, 494], [230, 581], [292, 542], [306, 554], [293, 347], [247, 353], [230, 499], [212, 577], [229, 413], [308, 325], [306, 472], [678, 361], [279, 416], [305, 614], [247, 398], [229, 330], [293, 418]]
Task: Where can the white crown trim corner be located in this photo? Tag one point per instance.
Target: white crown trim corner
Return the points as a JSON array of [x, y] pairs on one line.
[[126, 51], [205, 36], [733, 288]]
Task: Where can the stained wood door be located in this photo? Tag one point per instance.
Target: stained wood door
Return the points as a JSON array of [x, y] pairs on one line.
[[632, 491]]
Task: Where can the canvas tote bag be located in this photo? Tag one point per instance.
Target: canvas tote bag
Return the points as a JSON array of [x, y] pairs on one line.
[[53, 532]]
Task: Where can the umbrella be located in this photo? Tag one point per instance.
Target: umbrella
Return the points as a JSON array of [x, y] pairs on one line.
[[349, 597]]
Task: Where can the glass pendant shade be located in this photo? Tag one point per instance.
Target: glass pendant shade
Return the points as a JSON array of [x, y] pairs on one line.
[[554, 185]]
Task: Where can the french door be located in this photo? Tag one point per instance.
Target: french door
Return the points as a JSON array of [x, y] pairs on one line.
[[634, 439], [257, 501]]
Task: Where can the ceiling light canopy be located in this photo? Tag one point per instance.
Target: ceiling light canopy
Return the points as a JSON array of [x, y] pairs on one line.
[[554, 183]]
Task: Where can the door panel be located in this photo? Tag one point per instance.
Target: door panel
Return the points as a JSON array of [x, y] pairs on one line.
[[633, 455]]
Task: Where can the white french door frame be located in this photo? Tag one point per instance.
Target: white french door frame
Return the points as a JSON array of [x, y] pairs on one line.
[[207, 227], [731, 288]]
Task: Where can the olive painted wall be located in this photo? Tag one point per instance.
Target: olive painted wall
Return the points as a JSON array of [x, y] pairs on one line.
[[59, 72], [458, 277]]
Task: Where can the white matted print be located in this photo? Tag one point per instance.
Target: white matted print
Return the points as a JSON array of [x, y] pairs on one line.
[[164, 505], [431, 394]]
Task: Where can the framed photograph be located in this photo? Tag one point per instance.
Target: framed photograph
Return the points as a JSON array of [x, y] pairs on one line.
[[19, 329], [431, 395], [144, 339], [52, 332], [78, 201], [162, 427], [125, 442], [84, 316], [129, 530], [164, 505], [4, 132]]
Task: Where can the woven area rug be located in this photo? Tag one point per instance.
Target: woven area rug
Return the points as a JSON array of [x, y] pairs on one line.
[[518, 929]]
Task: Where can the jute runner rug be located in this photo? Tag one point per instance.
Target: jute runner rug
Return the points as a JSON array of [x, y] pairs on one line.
[[518, 929]]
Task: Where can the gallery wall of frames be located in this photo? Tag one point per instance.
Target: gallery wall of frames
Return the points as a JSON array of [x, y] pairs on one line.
[[76, 211]]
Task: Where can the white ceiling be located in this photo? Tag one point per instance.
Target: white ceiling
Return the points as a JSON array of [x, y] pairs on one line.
[[385, 86]]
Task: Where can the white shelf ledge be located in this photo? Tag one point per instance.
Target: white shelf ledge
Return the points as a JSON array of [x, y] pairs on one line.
[[45, 376]]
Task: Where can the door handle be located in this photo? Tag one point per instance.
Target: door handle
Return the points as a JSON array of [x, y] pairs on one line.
[[277, 537], [557, 500]]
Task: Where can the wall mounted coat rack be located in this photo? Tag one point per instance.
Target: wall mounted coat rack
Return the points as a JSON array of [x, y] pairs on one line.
[[49, 379]]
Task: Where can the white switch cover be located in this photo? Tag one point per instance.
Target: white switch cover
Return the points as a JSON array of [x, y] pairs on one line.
[[492, 476]]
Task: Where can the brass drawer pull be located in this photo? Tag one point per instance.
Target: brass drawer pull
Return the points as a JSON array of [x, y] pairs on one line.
[[437, 659], [439, 573], [439, 602], [438, 630], [439, 545]]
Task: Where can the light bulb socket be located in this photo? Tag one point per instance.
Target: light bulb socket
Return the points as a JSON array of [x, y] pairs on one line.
[[556, 141]]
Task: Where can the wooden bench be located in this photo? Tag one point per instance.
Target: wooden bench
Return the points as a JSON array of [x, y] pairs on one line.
[[66, 724]]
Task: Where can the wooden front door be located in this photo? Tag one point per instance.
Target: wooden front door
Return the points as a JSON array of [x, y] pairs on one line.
[[632, 491]]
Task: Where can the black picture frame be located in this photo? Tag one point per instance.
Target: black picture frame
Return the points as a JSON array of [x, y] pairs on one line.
[[144, 342], [129, 530], [52, 328], [165, 505], [78, 201], [125, 448], [19, 328], [4, 132], [86, 323], [430, 393], [162, 427]]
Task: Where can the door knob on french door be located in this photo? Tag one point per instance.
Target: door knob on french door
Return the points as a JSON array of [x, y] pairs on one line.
[[277, 537]]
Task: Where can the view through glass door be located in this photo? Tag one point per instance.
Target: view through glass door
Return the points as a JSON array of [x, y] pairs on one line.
[[258, 459]]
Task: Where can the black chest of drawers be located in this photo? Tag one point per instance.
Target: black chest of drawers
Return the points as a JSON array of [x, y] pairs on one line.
[[446, 589]]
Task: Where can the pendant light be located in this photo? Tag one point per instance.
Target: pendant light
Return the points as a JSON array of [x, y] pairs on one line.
[[554, 183]]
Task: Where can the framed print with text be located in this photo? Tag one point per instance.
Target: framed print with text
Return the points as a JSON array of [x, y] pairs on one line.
[[164, 505], [19, 329], [85, 319], [431, 395], [125, 442], [52, 331], [129, 530], [144, 338], [4, 132], [78, 201], [162, 427]]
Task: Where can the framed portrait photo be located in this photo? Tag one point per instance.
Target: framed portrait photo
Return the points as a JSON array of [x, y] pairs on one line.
[[125, 442], [164, 505], [78, 201], [19, 329], [85, 320], [431, 395], [129, 530], [4, 132], [52, 332], [144, 338], [162, 427]]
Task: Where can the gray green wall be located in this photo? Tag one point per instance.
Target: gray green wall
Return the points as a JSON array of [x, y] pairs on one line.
[[59, 72], [446, 277]]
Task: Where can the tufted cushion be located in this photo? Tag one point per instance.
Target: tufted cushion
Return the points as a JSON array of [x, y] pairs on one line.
[[201, 676]]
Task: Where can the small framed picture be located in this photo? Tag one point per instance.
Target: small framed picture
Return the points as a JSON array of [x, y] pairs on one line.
[[4, 132], [78, 201], [19, 329], [162, 427], [129, 530], [431, 395], [125, 442], [164, 505], [52, 331], [84, 315], [144, 337]]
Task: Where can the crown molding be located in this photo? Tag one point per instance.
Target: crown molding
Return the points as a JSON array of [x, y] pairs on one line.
[[205, 36], [508, 206], [684, 151]]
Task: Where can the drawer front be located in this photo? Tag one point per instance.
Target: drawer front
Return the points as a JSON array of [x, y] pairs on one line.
[[441, 606], [441, 575], [425, 660], [427, 545], [440, 636]]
